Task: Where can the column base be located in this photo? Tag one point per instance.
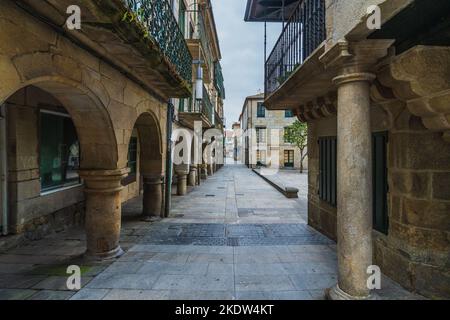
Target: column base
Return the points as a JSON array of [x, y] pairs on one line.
[[104, 256], [336, 293], [146, 218]]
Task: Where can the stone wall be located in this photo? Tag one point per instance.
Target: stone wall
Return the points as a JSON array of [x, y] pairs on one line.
[[353, 16], [415, 251]]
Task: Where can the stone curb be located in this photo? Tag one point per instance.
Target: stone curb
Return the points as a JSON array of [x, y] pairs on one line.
[[288, 192]]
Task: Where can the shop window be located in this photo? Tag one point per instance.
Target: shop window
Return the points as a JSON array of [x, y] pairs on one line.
[[59, 152]]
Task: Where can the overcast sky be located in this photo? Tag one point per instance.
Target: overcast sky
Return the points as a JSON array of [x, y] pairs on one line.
[[242, 46]]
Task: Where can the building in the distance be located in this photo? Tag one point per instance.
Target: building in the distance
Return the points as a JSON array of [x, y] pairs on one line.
[[263, 136], [237, 141]]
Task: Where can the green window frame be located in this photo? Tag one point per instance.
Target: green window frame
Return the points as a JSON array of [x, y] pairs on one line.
[[182, 17], [181, 105], [132, 161], [261, 110], [288, 114], [59, 151]]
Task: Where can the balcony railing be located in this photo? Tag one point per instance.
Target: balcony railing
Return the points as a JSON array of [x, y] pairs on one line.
[[218, 80], [303, 33], [158, 19]]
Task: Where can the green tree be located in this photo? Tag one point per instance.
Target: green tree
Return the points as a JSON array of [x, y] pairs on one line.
[[297, 134]]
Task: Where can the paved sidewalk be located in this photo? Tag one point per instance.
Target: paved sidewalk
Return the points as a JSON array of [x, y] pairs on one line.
[[234, 237]]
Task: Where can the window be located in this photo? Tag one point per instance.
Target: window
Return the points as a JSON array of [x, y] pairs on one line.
[[260, 135], [380, 182], [181, 105], [327, 180], [132, 161], [59, 153], [288, 114], [289, 158], [327, 169], [285, 135], [261, 110]]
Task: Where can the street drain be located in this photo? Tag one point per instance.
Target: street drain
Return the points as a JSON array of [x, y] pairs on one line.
[[210, 195], [233, 242]]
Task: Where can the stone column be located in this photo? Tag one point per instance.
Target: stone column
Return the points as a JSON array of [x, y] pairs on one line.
[[352, 61], [204, 171], [153, 196], [354, 185], [182, 172], [192, 181], [210, 168], [103, 212]]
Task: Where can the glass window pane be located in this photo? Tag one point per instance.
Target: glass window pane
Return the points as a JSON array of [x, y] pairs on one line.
[[59, 151]]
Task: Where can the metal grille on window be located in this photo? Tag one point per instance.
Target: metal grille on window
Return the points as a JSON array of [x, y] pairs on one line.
[[328, 168], [380, 182]]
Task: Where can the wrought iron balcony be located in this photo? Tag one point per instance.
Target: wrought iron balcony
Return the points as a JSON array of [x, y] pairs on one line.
[[218, 80], [207, 106], [197, 110], [158, 19], [303, 33]]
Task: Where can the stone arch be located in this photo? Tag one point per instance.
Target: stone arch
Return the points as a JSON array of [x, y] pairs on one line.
[[151, 162], [151, 143], [91, 119]]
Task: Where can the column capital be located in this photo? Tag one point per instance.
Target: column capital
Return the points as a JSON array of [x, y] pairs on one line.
[[103, 181], [356, 57], [181, 169], [354, 77]]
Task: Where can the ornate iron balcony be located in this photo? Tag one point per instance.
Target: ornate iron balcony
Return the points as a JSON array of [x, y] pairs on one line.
[[157, 17], [218, 80], [303, 33]]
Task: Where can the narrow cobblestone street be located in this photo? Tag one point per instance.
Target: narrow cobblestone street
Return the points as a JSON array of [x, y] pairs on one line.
[[234, 237]]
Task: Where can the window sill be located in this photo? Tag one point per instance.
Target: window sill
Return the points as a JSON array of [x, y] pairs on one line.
[[63, 188]]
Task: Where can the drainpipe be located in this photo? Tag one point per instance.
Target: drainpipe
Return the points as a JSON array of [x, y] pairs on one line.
[[168, 191], [4, 169]]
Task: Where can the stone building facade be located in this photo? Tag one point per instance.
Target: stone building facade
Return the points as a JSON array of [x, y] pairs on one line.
[[262, 138], [377, 103], [205, 105], [84, 115]]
